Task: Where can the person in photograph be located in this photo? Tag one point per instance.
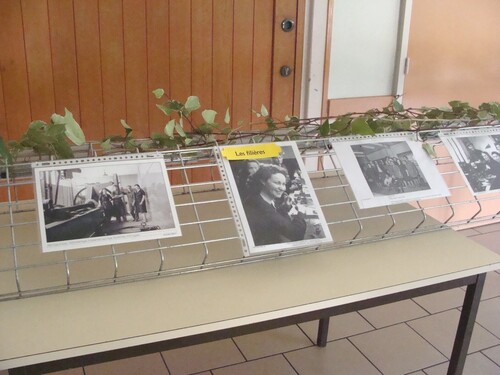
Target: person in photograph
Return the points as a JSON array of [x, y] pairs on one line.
[[119, 197], [495, 170], [140, 203], [269, 223], [130, 201], [106, 203], [250, 166]]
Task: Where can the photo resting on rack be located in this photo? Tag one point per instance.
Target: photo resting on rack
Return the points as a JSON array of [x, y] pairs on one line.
[[390, 168], [478, 159], [276, 201], [94, 204]]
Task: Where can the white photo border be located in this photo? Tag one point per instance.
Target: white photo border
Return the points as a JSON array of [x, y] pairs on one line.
[[366, 198], [249, 246], [167, 228], [483, 141]]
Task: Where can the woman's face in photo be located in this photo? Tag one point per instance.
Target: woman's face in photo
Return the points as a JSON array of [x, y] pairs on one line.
[[275, 186], [252, 167], [496, 157]]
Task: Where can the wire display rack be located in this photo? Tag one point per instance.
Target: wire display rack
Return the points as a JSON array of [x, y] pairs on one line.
[[210, 238]]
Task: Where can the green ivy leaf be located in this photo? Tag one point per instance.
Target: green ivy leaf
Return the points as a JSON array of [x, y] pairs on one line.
[[62, 148], [483, 115], [340, 124], [429, 149], [324, 129], [192, 104], [158, 93], [73, 130], [398, 107], [209, 116], [127, 128], [263, 110], [187, 141], [4, 152], [206, 128], [169, 128], [271, 125], [227, 117], [165, 109], [360, 126], [180, 130], [106, 145]]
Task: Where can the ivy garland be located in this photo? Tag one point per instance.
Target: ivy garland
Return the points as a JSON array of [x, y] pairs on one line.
[[56, 137]]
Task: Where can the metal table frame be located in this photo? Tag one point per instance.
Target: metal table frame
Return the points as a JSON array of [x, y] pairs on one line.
[[457, 361]]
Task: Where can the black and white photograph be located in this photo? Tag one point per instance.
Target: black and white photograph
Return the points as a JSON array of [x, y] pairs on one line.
[[383, 172], [87, 204], [477, 156], [276, 203]]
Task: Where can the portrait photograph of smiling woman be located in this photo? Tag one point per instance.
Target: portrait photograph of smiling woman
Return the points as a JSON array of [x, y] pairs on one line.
[[276, 201]]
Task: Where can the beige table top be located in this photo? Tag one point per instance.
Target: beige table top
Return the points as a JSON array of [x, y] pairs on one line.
[[56, 326]]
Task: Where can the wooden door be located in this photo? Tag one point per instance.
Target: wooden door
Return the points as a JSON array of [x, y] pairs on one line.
[[102, 58]]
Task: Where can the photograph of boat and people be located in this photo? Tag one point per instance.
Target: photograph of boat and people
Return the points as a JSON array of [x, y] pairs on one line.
[[104, 200]]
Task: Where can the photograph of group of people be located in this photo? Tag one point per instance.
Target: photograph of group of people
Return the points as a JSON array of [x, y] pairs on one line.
[[478, 159], [276, 201], [92, 204], [389, 168], [388, 171]]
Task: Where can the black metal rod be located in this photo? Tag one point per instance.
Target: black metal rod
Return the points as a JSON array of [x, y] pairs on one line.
[[322, 338], [466, 325]]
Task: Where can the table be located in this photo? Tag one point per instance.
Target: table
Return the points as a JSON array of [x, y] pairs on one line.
[[57, 331]]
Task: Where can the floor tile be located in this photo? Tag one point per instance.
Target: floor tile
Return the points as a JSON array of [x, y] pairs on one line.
[[441, 301], [202, 357], [489, 240], [491, 286], [146, 364], [397, 350], [469, 232], [338, 357], [274, 341], [488, 228], [341, 326], [74, 371], [489, 315], [275, 365], [440, 330], [393, 313], [475, 364], [493, 354]]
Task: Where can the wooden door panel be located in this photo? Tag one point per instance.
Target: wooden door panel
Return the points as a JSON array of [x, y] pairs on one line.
[[102, 58], [158, 59], [113, 65], [136, 71], [86, 13], [38, 62], [202, 64], [13, 69], [283, 55], [63, 56]]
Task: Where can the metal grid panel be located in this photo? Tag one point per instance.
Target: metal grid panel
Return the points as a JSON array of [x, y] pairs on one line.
[[210, 236]]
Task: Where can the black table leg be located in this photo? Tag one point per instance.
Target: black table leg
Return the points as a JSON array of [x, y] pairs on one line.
[[466, 325], [323, 332]]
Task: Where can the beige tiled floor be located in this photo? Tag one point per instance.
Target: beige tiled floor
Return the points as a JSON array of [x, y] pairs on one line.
[[409, 337]]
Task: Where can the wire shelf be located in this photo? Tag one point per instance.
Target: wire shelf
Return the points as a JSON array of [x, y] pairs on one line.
[[209, 235]]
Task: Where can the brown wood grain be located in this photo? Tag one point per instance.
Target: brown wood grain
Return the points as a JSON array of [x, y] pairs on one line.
[[136, 71], [38, 58], [13, 68], [158, 59], [63, 51], [88, 56], [113, 65]]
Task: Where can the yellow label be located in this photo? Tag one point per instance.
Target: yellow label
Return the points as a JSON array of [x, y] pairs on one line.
[[256, 151]]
